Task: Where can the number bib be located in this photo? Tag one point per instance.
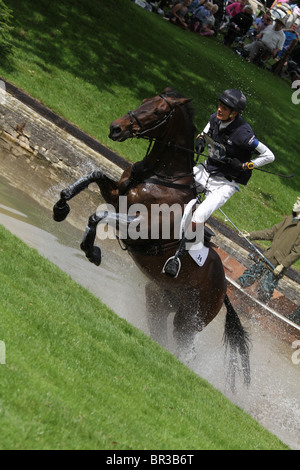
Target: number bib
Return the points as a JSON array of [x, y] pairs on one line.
[[216, 150]]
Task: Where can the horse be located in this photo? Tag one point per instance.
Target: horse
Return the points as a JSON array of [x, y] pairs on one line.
[[163, 179]]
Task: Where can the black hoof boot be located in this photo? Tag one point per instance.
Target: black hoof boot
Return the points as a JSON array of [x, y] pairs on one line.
[[60, 211], [95, 257]]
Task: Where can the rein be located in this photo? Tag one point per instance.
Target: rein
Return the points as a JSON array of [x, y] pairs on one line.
[[140, 135]]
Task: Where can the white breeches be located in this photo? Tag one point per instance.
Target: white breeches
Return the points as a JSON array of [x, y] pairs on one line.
[[217, 191]]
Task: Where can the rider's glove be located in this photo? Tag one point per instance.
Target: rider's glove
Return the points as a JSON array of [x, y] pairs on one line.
[[278, 269], [200, 144], [236, 165], [244, 233]]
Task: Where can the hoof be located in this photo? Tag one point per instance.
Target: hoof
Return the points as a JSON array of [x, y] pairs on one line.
[[60, 212], [96, 256]]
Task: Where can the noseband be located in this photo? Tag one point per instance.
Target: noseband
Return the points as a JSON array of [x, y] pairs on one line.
[[157, 124]]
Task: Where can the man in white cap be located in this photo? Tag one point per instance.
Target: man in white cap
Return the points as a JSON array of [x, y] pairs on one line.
[[269, 42]]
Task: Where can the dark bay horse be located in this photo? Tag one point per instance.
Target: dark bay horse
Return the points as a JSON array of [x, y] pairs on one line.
[[163, 179]]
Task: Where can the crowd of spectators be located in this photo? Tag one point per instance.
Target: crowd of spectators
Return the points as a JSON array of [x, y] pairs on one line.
[[253, 29]]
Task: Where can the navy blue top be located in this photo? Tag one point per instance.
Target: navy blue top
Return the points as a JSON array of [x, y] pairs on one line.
[[239, 141]]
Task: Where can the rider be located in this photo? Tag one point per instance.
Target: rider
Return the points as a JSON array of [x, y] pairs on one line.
[[231, 143]]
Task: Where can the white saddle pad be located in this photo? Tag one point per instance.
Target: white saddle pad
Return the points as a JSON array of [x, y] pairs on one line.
[[199, 255], [197, 251]]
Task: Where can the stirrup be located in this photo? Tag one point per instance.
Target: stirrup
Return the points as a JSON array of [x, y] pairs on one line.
[[172, 270]]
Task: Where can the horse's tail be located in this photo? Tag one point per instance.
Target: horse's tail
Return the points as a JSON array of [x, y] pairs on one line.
[[237, 343]]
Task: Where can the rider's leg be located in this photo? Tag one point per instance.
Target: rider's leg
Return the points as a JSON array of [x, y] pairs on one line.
[[217, 193]]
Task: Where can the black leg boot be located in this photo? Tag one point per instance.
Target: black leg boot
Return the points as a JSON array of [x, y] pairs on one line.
[[173, 264]]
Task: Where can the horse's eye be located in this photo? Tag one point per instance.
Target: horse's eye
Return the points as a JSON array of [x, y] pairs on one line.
[[157, 112]]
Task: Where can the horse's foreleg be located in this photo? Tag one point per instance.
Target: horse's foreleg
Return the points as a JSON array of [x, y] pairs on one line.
[[61, 209], [118, 221], [93, 253]]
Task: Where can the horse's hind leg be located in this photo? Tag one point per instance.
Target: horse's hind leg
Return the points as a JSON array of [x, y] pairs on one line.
[[188, 321], [158, 308]]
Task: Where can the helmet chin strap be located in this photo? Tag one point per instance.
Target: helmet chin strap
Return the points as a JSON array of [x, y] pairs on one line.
[[231, 116]]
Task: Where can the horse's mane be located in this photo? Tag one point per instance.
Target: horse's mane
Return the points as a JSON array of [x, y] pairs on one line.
[[189, 112], [188, 107]]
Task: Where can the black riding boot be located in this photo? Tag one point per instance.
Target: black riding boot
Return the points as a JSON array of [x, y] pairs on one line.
[[173, 264]]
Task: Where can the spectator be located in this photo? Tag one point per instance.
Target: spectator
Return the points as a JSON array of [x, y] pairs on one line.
[[269, 42], [290, 35], [256, 6], [261, 23], [220, 13], [178, 13], [278, 1], [234, 8], [208, 26], [193, 5], [239, 26], [200, 16], [283, 252], [231, 10]]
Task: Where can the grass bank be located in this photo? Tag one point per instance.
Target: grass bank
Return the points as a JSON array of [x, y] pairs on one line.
[[92, 61], [79, 377]]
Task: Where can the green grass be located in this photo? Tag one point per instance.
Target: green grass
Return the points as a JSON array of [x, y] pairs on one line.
[[76, 375], [79, 377], [92, 61]]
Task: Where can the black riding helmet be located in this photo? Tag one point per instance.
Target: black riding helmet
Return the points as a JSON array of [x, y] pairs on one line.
[[234, 99]]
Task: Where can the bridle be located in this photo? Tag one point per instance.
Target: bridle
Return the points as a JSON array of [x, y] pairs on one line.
[[140, 133], [156, 125]]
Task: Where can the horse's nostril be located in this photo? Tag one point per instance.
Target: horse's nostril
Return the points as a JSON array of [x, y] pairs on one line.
[[115, 130]]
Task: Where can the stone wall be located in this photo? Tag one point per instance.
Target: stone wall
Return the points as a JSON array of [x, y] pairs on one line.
[[26, 134]]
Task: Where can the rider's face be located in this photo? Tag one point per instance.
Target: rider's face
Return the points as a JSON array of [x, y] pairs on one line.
[[224, 112]]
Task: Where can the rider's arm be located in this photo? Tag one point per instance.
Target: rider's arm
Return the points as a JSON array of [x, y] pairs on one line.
[[200, 141], [206, 128], [265, 155]]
